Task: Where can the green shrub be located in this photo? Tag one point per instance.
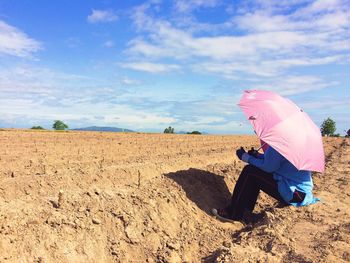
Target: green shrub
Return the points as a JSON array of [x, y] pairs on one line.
[[59, 125], [328, 127], [169, 130], [37, 128], [194, 132]]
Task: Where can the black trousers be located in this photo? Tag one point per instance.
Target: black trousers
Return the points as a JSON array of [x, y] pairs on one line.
[[250, 182]]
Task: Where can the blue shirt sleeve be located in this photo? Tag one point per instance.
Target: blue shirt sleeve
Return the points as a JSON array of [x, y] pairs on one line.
[[269, 162], [260, 156]]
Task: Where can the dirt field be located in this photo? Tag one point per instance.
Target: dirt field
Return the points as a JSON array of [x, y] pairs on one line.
[[112, 197]]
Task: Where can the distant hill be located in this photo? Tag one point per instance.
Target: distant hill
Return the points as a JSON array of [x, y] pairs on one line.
[[103, 129]]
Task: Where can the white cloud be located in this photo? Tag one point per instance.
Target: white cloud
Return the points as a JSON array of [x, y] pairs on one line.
[[327, 103], [16, 43], [40, 80], [289, 85], [130, 82], [130, 117], [189, 5], [108, 43], [302, 21], [31, 94], [168, 41], [264, 40], [324, 6], [150, 67], [236, 69], [82, 113], [272, 5], [264, 68], [267, 33], [207, 120], [100, 16], [264, 22]]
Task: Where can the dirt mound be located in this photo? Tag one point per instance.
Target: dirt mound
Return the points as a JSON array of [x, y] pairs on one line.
[[106, 197]]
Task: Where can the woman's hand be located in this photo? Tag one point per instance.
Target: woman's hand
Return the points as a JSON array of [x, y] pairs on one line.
[[240, 152], [253, 152]]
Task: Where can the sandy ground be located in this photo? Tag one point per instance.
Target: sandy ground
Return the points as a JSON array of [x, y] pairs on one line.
[[108, 197]]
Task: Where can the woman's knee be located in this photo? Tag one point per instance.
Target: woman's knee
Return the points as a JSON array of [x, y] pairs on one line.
[[249, 169]]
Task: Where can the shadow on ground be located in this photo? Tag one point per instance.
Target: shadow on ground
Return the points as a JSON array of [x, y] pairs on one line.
[[207, 190]]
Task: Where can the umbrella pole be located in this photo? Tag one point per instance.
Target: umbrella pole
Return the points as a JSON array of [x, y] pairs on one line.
[[261, 147]]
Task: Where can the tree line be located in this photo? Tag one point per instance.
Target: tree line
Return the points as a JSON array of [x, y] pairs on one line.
[[172, 130], [57, 125], [328, 128]]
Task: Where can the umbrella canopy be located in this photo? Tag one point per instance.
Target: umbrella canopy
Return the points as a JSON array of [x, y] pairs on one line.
[[283, 125]]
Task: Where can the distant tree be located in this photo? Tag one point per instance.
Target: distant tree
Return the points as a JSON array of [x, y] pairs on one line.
[[37, 128], [328, 127], [194, 132], [347, 133], [169, 130], [59, 125]]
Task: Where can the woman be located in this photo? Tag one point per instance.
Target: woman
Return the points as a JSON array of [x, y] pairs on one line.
[[271, 173]]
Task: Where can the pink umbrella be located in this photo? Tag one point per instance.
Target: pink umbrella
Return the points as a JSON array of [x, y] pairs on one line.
[[283, 125]]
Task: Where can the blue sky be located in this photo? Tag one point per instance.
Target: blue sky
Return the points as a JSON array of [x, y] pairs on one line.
[[145, 65]]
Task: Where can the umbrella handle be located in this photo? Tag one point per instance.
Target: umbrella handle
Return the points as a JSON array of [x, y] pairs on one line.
[[261, 147]]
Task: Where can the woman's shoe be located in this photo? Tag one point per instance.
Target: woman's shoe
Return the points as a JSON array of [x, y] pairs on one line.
[[222, 214]]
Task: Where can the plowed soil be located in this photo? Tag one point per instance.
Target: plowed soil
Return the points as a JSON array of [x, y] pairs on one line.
[[114, 197]]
